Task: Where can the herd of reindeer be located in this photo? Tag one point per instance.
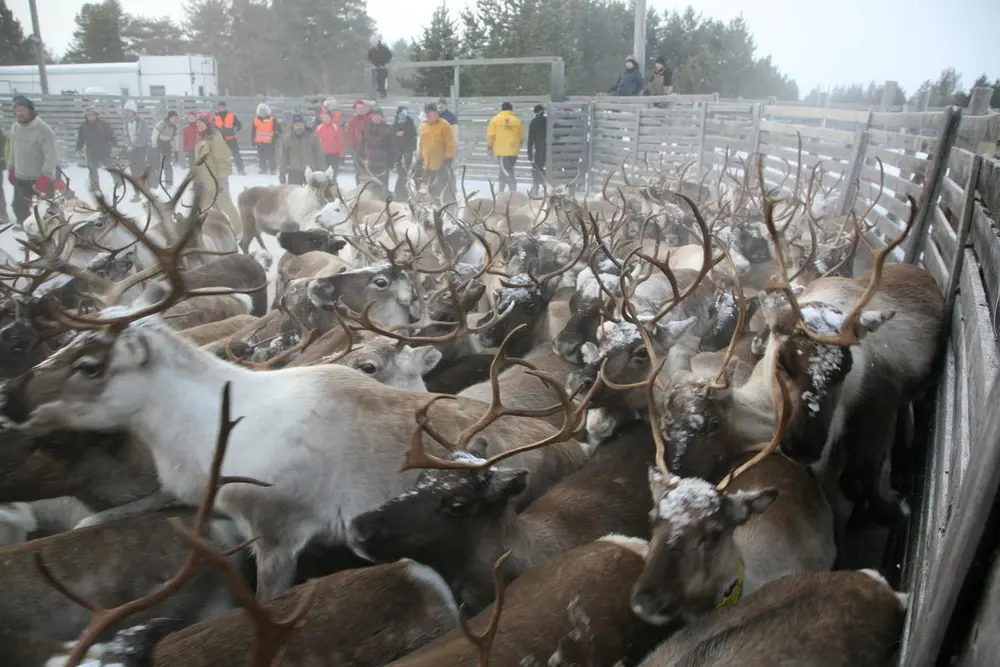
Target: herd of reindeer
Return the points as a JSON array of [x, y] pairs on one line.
[[629, 428]]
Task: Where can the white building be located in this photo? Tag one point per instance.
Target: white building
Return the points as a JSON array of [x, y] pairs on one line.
[[151, 76]]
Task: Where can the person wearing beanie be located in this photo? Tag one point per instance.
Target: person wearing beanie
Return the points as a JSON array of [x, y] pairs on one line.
[[264, 134], [436, 151], [164, 134], [537, 148], [630, 81], [213, 174], [136, 143], [658, 82], [331, 140], [504, 136], [33, 159], [230, 125], [404, 144], [96, 140], [299, 149], [190, 139], [376, 148], [355, 126], [445, 112]]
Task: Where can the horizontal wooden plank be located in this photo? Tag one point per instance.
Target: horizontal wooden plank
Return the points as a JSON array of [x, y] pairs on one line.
[[893, 183], [975, 129], [952, 195], [816, 112], [910, 163], [909, 142], [914, 120], [985, 239], [841, 136]]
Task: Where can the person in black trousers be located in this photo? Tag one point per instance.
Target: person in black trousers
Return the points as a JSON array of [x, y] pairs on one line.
[[96, 139], [537, 148], [404, 144]]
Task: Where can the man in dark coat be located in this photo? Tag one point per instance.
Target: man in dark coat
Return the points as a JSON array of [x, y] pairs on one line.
[[379, 56], [630, 82], [537, 145], [96, 139], [376, 147], [404, 144]]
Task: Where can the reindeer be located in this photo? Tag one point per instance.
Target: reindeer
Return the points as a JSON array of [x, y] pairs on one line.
[[392, 363], [460, 519], [264, 209], [855, 620], [574, 604], [205, 334]]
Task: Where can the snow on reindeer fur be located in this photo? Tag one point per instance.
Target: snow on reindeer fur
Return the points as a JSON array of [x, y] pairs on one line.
[[826, 359], [688, 503]]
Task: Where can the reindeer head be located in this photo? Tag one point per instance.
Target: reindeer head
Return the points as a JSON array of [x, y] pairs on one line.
[[321, 183], [22, 320], [586, 307], [387, 287], [445, 519], [723, 316], [298, 242], [392, 363], [693, 563], [522, 300]]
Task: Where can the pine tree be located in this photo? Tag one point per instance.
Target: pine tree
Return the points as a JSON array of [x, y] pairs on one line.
[[154, 37], [208, 24], [440, 41], [98, 35], [15, 48]]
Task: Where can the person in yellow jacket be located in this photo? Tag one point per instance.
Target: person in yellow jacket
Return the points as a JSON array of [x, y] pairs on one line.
[[436, 151], [504, 136], [215, 171]]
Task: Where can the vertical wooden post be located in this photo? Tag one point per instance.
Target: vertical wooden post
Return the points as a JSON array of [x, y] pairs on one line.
[[550, 144], [853, 177], [964, 224], [702, 123], [557, 86], [455, 90], [639, 35], [979, 101], [932, 186], [756, 111], [824, 102], [635, 139], [591, 143]]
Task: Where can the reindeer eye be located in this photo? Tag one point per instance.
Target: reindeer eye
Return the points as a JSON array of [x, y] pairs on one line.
[[367, 368], [381, 282], [88, 366]]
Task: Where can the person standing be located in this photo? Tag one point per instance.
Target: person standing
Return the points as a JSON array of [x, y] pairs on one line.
[[355, 126], [445, 113], [376, 147], [4, 216], [436, 151], [136, 143], [190, 139], [298, 150], [659, 81], [229, 125], [630, 81], [164, 134], [264, 133], [96, 139], [331, 140], [504, 136], [33, 159], [537, 147], [213, 174], [404, 144]]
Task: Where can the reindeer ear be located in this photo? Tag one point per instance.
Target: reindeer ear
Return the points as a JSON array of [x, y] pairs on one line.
[[338, 245], [590, 353], [426, 357], [478, 447], [308, 174], [671, 332], [506, 483], [131, 349], [871, 320], [739, 506], [329, 174]]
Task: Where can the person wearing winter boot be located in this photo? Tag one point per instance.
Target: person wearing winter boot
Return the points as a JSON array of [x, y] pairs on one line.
[[229, 125], [33, 159], [264, 134], [404, 144], [213, 174], [436, 151], [331, 140], [298, 150], [190, 139], [164, 134], [96, 140], [630, 81], [537, 147], [504, 136], [352, 137], [376, 147], [136, 143]]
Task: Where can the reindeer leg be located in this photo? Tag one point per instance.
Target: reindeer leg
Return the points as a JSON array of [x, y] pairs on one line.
[[871, 435]]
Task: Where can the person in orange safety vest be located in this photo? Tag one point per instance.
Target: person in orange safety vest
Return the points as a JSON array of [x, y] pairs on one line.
[[264, 135], [229, 125]]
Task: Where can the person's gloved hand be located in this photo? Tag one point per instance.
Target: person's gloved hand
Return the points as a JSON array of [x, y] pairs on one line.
[[10, 175], [42, 183]]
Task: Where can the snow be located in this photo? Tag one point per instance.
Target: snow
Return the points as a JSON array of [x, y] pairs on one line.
[[589, 288], [616, 335], [822, 319], [688, 503], [519, 289]]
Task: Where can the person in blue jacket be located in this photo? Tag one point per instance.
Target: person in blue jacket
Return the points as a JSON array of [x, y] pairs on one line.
[[630, 82]]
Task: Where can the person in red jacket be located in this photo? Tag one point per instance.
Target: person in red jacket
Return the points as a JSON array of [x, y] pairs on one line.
[[190, 138], [331, 139], [355, 127]]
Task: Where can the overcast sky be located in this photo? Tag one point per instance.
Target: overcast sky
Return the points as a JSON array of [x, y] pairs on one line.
[[849, 40]]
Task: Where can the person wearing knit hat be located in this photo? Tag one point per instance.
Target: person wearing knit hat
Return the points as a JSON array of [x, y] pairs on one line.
[[504, 136], [96, 140], [264, 133], [404, 144], [164, 134], [355, 127], [33, 159], [376, 148], [213, 172], [136, 144], [298, 151], [658, 81], [436, 152], [537, 148], [190, 137], [229, 125]]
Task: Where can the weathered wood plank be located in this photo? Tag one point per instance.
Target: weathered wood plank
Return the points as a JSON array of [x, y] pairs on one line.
[[952, 194], [838, 136], [914, 120], [908, 163], [936, 264], [817, 112], [986, 242], [943, 235], [892, 183]]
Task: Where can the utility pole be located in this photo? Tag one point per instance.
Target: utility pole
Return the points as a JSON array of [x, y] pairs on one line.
[[39, 47], [639, 39]]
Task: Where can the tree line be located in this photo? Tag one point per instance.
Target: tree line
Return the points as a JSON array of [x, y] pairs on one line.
[[946, 90]]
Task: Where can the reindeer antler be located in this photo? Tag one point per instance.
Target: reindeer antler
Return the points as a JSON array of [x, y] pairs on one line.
[[483, 641]]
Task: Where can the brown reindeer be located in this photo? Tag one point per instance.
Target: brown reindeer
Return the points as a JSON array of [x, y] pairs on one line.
[[854, 619], [265, 209]]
